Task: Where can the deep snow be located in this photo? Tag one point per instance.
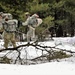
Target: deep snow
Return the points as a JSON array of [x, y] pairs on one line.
[[63, 67]]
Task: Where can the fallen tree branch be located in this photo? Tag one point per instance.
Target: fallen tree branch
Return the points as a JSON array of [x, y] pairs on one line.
[[40, 47], [37, 46]]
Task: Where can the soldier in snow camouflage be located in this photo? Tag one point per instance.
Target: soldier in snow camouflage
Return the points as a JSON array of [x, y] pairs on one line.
[[9, 32], [32, 22]]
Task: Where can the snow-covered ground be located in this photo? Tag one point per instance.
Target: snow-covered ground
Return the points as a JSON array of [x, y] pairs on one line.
[[52, 68], [63, 67]]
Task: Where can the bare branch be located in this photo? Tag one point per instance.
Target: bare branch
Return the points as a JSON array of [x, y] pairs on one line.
[[37, 46], [40, 47]]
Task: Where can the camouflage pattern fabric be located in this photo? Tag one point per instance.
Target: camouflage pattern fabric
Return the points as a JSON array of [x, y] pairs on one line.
[[9, 37]]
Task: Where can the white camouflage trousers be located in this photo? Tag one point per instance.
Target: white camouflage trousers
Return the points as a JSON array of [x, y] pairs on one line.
[[31, 34]]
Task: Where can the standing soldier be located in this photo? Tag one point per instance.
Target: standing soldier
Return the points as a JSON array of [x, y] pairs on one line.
[[1, 25], [26, 23], [9, 32], [30, 29], [32, 23]]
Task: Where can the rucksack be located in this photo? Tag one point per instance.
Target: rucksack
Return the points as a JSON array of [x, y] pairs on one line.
[[10, 26], [33, 21]]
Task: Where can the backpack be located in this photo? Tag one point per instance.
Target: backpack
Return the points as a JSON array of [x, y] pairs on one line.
[[10, 26], [33, 21]]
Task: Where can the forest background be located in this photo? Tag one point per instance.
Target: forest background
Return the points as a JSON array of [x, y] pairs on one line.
[[58, 15]]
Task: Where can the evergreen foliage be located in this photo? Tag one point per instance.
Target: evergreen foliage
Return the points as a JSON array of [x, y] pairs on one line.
[[53, 12]]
